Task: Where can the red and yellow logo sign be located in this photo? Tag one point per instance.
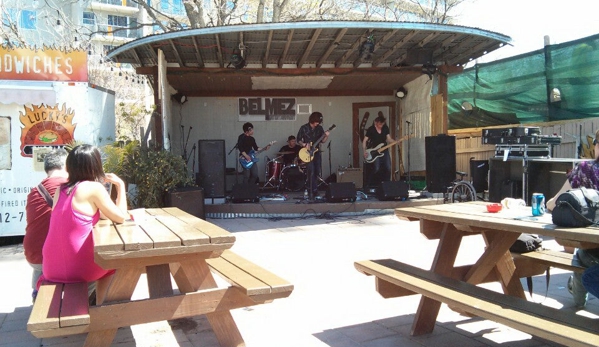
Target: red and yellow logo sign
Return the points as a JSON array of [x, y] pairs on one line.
[[46, 126], [43, 65]]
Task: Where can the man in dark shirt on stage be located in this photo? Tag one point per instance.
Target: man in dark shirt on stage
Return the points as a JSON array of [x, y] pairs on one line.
[[306, 136], [380, 169], [246, 143], [291, 149]]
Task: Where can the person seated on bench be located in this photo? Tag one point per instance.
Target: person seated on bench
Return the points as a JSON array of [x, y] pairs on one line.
[[590, 280], [38, 210], [585, 174], [78, 204]]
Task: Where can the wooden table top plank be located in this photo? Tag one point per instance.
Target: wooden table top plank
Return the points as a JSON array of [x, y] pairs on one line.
[[519, 220], [216, 233], [188, 235], [160, 234], [134, 238], [106, 238]]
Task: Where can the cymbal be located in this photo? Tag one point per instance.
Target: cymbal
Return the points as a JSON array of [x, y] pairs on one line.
[[283, 153]]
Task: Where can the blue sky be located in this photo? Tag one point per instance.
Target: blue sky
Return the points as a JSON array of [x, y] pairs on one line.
[[528, 21]]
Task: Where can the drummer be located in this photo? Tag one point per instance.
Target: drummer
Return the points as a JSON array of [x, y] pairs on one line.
[[290, 151]]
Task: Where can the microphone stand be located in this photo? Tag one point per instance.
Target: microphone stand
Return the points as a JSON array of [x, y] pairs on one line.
[[409, 178], [330, 167]]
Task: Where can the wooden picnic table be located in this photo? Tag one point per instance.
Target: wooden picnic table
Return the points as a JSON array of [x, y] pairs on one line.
[[164, 244], [445, 282]]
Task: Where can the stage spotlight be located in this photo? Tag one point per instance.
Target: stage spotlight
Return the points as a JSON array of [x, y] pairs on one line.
[[367, 48], [429, 70], [401, 92], [237, 59], [180, 98]]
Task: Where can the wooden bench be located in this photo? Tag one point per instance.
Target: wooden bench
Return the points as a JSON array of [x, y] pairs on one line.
[[560, 326], [62, 309], [59, 306], [254, 281], [549, 257]]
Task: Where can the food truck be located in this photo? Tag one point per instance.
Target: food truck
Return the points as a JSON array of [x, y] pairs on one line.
[[45, 103]]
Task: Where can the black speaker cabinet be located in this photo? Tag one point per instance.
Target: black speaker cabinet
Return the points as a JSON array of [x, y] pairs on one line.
[[211, 171], [244, 193], [440, 162], [188, 199], [392, 190], [341, 192]]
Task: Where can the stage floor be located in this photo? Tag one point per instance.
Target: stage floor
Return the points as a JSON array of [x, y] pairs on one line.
[[274, 203]]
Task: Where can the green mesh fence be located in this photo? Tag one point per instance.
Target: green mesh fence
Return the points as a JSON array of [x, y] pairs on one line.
[[519, 89]]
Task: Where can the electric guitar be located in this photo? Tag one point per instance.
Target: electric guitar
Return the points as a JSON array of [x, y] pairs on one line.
[[377, 152], [249, 163], [306, 155]]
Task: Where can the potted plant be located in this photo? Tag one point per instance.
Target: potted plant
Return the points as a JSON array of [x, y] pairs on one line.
[[154, 173]]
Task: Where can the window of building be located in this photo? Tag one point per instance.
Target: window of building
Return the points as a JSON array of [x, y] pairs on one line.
[[118, 21], [28, 19], [89, 18], [172, 6], [108, 48]]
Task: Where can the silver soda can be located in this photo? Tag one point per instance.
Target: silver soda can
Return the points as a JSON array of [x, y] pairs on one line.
[[538, 204]]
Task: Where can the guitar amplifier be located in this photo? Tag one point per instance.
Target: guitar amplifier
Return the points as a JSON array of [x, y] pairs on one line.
[[350, 175]]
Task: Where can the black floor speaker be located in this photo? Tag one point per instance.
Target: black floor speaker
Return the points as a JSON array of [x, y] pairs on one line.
[[341, 192], [242, 193], [392, 190], [188, 199], [211, 172], [440, 162]]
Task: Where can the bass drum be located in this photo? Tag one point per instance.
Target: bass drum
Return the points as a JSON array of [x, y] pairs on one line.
[[293, 179]]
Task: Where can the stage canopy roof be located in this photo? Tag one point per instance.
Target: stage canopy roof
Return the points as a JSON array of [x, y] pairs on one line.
[[307, 58]]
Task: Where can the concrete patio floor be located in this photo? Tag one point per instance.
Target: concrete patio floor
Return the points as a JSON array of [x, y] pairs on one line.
[[332, 304]]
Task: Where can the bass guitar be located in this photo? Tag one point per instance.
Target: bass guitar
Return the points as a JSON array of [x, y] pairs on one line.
[[306, 155], [377, 152], [246, 164]]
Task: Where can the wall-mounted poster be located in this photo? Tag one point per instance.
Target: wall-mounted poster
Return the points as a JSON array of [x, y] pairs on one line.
[[266, 109]]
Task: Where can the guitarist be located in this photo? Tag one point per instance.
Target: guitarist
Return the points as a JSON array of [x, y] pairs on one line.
[[308, 134], [246, 143], [380, 169]]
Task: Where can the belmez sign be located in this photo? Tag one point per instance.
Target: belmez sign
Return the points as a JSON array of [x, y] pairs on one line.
[[43, 65], [266, 109]]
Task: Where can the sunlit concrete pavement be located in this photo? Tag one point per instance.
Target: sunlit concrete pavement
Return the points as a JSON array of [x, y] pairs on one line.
[[332, 304]]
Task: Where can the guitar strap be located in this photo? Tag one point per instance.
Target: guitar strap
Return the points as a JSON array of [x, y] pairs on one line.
[[45, 194]]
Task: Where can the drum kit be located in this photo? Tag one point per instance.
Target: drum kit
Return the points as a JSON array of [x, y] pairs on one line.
[[291, 177]]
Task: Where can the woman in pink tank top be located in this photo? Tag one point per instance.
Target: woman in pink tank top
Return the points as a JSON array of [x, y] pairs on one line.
[[78, 205]]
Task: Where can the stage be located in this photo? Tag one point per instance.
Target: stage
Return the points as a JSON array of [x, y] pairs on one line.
[[272, 203]]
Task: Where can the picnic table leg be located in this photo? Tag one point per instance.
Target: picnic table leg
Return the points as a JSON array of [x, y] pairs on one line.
[[447, 250], [499, 244], [506, 269], [120, 286], [193, 275]]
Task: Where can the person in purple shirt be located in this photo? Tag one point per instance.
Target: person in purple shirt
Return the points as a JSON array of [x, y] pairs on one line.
[[585, 174]]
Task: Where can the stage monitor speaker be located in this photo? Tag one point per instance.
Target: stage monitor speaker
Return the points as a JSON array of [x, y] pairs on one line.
[[392, 190], [188, 199], [244, 193], [440, 162], [211, 174], [341, 192]]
